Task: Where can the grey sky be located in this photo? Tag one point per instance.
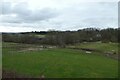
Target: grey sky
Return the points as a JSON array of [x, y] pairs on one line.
[[40, 15]]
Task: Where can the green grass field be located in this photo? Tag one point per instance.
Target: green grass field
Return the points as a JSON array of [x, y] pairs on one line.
[[40, 36], [58, 63], [104, 47]]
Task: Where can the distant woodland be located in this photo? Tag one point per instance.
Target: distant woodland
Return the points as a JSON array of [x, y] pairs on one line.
[[62, 38]]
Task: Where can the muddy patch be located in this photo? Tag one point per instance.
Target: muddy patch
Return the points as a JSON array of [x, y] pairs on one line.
[[0, 73], [38, 48], [13, 74], [31, 49]]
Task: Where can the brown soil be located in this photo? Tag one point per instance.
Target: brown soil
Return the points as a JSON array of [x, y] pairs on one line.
[[12, 74], [15, 76], [31, 49]]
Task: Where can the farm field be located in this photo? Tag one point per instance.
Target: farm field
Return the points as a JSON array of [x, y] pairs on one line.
[[100, 46], [59, 62]]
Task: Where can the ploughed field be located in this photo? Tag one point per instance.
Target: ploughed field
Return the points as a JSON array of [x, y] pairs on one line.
[[27, 60]]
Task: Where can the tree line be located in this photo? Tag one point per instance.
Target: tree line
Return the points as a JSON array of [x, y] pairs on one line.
[[62, 38]]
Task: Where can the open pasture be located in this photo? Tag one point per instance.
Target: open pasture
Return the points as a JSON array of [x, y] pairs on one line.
[[57, 62]]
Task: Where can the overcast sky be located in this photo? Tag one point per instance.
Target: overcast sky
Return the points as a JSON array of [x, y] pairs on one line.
[[43, 15]]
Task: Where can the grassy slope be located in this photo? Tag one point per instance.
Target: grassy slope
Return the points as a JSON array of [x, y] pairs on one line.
[[99, 46], [40, 36], [59, 63]]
